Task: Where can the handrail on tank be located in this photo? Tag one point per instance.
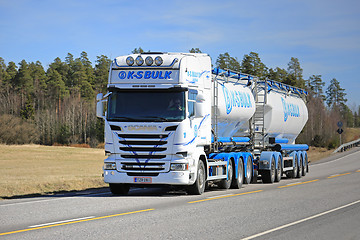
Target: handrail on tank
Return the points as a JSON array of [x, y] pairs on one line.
[[270, 83]]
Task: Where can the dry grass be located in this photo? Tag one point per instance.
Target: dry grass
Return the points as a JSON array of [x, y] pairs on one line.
[[317, 153], [33, 169]]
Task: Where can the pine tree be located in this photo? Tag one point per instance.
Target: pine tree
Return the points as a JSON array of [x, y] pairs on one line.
[[295, 77], [335, 95], [225, 61], [195, 50], [251, 64], [101, 73], [315, 85]]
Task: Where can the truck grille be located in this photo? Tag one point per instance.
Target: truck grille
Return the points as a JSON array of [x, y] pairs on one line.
[[143, 152], [146, 166]]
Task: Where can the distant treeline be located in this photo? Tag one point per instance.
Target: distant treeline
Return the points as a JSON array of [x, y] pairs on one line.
[[57, 104]]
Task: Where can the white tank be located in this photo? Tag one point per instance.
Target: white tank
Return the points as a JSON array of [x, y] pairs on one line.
[[236, 105], [285, 115]]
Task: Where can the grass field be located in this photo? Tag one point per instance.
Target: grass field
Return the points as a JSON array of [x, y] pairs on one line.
[[34, 169]]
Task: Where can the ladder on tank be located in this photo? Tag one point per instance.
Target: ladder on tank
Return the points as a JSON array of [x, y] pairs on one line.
[[258, 119]]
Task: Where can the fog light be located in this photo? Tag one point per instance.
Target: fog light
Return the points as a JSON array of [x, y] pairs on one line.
[[179, 167], [158, 60], [139, 61], [149, 61], [109, 166], [130, 61]]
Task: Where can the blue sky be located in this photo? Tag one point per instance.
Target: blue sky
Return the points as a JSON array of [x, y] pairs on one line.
[[323, 34]]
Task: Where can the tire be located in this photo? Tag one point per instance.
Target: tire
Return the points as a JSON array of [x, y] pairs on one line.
[[293, 173], [238, 181], [300, 170], [304, 168], [249, 171], [119, 189], [255, 176], [198, 187], [226, 183], [278, 171], [268, 176]]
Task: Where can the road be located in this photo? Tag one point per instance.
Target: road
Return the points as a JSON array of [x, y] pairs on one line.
[[325, 204]]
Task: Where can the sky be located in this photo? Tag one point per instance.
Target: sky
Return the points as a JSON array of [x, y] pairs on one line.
[[323, 34]]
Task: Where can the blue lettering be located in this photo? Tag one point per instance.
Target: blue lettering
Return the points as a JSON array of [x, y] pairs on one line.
[[290, 109], [160, 76], [130, 75], [147, 74], [139, 75], [167, 75], [153, 76]]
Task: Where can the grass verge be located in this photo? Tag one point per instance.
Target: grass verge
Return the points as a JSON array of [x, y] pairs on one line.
[[36, 169]]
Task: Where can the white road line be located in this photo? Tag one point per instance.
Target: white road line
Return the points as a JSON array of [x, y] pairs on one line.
[[52, 223], [313, 165], [300, 221], [53, 199]]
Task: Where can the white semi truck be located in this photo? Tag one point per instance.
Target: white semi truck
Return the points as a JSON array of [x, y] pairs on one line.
[[170, 119]]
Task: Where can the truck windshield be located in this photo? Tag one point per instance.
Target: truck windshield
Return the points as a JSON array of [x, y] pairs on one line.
[[146, 106]]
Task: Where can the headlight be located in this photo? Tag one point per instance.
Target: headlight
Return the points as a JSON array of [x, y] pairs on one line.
[[139, 61], [158, 60], [130, 61], [149, 61], [179, 167], [109, 166]]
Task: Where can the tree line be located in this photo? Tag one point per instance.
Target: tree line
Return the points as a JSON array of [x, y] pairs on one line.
[[57, 104]]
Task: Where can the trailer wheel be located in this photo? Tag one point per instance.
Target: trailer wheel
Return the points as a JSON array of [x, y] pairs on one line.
[[119, 189], [300, 170], [278, 171], [293, 173], [249, 171], [199, 186], [304, 167], [268, 176], [226, 183], [238, 181]]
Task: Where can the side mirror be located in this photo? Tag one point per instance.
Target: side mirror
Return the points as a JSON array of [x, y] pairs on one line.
[[100, 106], [200, 106]]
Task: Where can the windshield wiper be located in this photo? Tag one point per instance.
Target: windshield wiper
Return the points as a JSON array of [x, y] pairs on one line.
[[158, 118], [123, 118]]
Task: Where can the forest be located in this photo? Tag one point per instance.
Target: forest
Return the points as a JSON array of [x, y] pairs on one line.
[[55, 105]]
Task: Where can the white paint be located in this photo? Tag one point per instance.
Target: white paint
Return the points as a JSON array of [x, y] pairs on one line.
[[300, 221], [64, 221]]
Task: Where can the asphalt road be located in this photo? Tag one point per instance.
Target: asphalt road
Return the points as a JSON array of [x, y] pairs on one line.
[[325, 204]]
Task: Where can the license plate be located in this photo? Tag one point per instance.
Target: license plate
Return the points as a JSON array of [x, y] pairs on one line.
[[142, 180]]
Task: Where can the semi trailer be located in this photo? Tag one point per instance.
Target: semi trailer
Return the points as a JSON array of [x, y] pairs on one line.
[[172, 119]]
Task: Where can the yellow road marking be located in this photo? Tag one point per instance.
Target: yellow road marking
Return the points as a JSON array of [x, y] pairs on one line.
[[225, 196], [300, 183], [338, 175], [78, 221]]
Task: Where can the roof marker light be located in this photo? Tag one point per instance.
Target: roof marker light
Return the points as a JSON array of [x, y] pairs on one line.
[[139, 61], [158, 60], [130, 61], [149, 61]]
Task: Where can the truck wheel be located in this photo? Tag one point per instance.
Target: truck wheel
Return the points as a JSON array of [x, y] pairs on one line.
[[305, 167], [300, 170], [255, 177], [225, 183], [293, 173], [119, 189], [249, 168], [268, 176], [199, 186], [278, 173], [238, 181]]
